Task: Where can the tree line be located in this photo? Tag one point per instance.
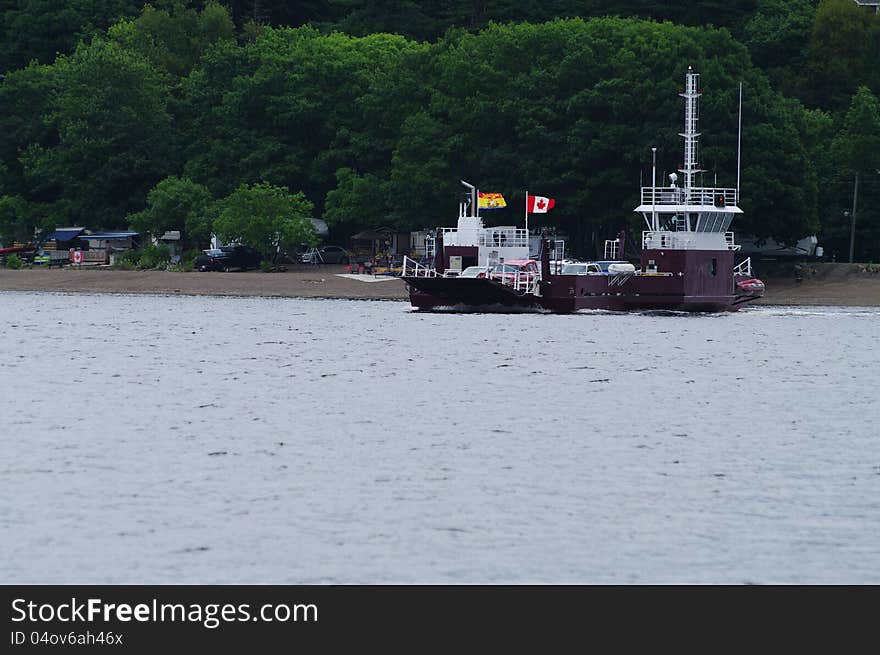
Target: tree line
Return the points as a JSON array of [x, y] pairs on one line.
[[166, 115]]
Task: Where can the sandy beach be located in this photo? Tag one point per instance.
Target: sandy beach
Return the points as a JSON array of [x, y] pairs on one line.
[[323, 282], [831, 284], [817, 284]]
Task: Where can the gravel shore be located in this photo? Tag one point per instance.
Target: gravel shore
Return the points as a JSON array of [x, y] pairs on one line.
[[831, 284]]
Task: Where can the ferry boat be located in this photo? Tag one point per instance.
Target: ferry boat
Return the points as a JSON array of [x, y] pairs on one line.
[[687, 260]]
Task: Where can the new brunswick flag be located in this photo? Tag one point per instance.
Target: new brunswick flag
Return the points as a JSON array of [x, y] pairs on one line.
[[491, 201]]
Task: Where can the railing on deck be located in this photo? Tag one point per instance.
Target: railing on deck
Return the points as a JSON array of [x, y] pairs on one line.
[[521, 281], [491, 237], [683, 240], [612, 249], [510, 238], [744, 267], [662, 239], [700, 196], [412, 268]]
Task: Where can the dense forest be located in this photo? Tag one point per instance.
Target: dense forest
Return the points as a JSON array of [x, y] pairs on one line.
[[190, 115]]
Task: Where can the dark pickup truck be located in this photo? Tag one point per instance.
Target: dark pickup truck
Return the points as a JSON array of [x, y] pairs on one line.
[[228, 258]]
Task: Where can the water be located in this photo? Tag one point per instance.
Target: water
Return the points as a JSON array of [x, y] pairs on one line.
[[151, 439]]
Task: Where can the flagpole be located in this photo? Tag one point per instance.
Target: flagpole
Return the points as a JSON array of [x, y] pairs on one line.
[[527, 215], [739, 140]]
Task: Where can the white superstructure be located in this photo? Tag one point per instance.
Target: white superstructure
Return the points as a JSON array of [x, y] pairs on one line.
[[495, 245], [688, 216]]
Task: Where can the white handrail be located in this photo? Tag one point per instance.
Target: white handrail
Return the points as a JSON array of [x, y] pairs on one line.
[[412, 268], [701, 196], [744, 267]]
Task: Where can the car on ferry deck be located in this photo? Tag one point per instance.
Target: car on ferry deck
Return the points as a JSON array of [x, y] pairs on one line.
[[581, 268], [516, 270], [475, 271]]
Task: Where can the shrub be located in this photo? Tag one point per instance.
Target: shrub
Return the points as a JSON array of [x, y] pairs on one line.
[[148, 257], [128, 260], [14, 262], [188, 260], [154, 256]]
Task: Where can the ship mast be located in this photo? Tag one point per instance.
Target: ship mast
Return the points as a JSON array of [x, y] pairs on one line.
[[691, 136]]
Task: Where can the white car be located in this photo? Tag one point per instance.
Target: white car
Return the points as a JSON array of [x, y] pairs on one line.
[[474, 271], [581, 269]]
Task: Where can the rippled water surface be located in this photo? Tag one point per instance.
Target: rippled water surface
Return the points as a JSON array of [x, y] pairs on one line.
[[229, 440]]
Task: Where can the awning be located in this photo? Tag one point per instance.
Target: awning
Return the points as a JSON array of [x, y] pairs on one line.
[[65, 234], [109, 236]]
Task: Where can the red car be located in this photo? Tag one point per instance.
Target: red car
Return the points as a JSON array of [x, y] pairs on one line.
[[516, 272]]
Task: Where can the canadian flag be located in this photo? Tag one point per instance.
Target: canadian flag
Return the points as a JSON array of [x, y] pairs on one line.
[[539, 204]]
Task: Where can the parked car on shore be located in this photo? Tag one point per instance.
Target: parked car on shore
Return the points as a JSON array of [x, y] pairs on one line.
[[228, 258], [326, 255]]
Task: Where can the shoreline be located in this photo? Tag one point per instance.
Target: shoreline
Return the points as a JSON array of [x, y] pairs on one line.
[[831, 285]]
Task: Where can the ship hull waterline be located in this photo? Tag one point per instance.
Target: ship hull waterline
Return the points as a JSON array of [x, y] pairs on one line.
[[449, 298]]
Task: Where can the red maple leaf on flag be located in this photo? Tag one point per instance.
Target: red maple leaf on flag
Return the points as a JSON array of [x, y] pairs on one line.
[[539, 204]]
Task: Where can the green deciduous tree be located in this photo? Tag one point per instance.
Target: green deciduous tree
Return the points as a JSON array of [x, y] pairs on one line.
[[110, 139], [841, 54], [777, 36], [359, 201], [25, 96], [856, 151], [265, 217], [41, 29], [16, 220], [295, 106], [177, 204], [858, 144], [175, 35]]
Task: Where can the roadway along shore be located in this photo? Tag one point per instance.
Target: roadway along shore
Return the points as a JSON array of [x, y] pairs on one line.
[[830, 285]]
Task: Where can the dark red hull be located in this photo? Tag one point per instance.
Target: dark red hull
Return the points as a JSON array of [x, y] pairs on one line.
[[695, 281], [700, 281], [434, 292]]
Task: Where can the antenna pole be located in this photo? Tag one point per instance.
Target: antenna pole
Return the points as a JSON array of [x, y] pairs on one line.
[[739, 140], [654, 190], [691, 166], [473, 197]]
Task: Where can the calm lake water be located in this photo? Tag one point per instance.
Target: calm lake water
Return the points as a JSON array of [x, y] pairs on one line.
[[153, 439]]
